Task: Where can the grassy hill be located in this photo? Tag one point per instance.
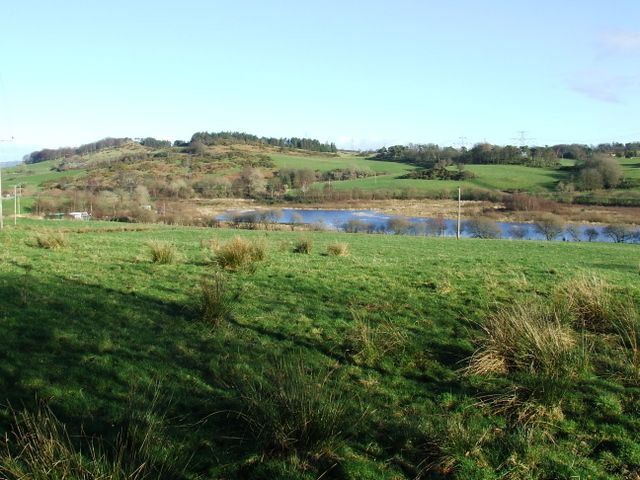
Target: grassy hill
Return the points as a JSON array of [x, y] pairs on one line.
[[356, 366], [176, 173]]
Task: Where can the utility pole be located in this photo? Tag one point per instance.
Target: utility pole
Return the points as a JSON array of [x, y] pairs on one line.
[[1, 213], [522, 138], [15, 205], [1, 217], [462, 142], [459, 208]]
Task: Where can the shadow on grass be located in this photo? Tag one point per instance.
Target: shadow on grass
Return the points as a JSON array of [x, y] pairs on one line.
[[94, 354]]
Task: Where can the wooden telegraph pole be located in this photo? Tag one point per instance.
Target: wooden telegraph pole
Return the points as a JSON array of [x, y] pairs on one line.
[[1, 217], [459, 208]]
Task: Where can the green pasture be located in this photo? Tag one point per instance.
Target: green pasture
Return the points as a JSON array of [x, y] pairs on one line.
[[98, 331], [325, 163]]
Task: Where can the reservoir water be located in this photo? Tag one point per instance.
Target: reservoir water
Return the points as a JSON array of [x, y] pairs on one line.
[[376, 222]]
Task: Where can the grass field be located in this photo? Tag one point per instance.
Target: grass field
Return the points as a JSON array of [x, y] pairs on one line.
[[375, 341]]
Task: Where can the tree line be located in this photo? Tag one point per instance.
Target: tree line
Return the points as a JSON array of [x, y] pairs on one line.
[[228, 138], [55, 153], [428, 155]]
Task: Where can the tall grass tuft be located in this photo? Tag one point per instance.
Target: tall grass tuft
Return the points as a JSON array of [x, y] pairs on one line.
[[293, 409], [40, 448], [163, 252], [303, 245], [627, 327], [216, 300], [525, 338], [338, 249], [589, 300], [51, 240], [368, 343], [537, 350], [238, 254]]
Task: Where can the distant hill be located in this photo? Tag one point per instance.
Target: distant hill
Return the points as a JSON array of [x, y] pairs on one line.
[[9, 164], [198, 140]]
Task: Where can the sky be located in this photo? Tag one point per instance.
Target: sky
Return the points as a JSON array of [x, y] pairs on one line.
[[361, 74]]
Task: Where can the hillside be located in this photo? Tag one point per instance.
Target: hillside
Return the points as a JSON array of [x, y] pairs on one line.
[[343, 366], [142, 182]]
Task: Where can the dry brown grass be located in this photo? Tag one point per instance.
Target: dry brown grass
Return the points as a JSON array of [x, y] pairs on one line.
[[163, 252], [589, 300], [40, 448], [524, 338], [238, 254], [338, 249], [50, 240]]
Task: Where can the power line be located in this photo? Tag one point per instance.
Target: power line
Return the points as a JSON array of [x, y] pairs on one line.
[[522, 138]]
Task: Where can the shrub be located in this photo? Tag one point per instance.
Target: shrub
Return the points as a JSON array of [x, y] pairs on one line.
[[338, 249], [163, 252], [398, 225], [292, 408], [216, 300], [549, 225], [239, 253], [51, 240], [518, 232], [618, 233], [482, 228], [355, 225], [303, 245], [574, 232], [591, 234]]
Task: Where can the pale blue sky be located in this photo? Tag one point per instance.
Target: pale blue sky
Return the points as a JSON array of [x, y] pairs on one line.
[[360, 73]]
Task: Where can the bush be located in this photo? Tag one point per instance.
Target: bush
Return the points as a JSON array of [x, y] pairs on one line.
[[618, 233], [292, 408], [398, 225], [303, 245], [216, 300], [338, 249], [482, 228], [163, 252], [549, 225], [239, 253], [51, 240]]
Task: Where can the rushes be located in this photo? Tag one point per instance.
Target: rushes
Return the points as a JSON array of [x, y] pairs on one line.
[[163, 252], [303, 245], [369, 344], [292, 408], [588, 300], [50, 240], [40, 448], [525, 338], [216, 300], [338, 249], [239, 254]]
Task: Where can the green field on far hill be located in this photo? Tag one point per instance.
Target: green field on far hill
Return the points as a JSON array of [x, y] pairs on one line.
[[170, 165], [342, 367]]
